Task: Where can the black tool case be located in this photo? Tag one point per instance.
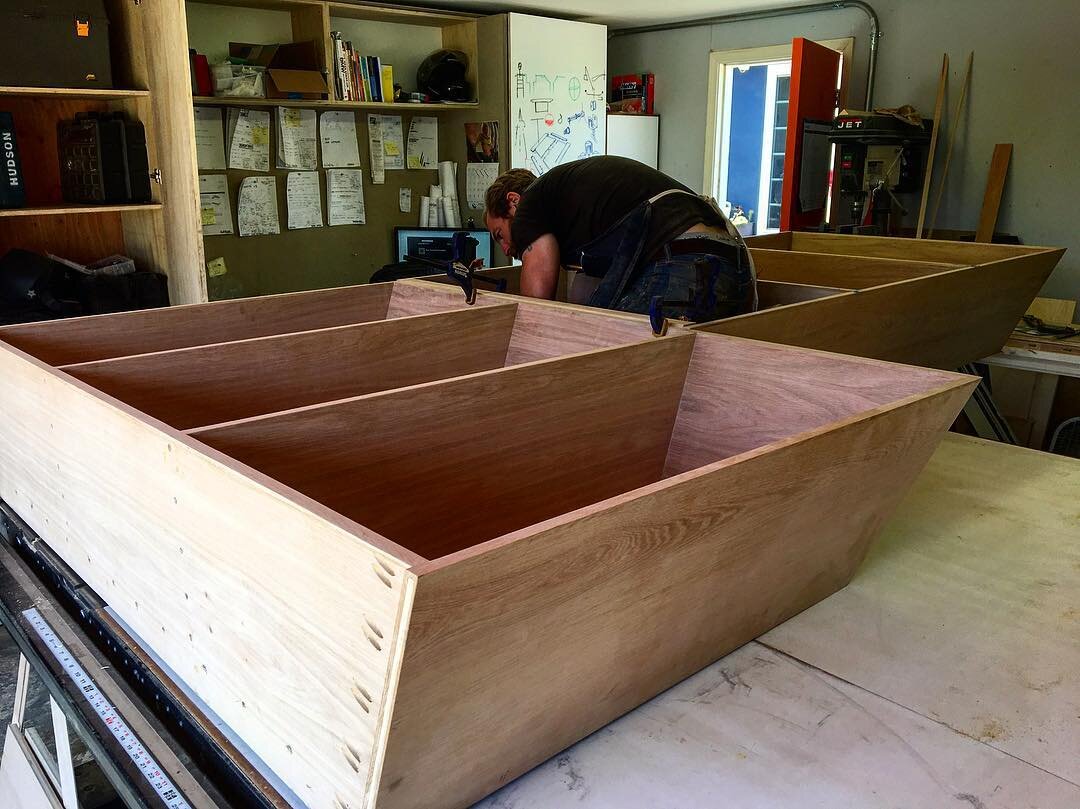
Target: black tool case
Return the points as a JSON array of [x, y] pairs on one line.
[[54, 43], [103, 159]]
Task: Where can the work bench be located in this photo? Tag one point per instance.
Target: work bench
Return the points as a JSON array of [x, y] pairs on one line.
[[946, 674]]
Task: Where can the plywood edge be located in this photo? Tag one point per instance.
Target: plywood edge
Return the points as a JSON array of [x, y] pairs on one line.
[[208, 350], [903, 248], [210, 430], [205, 546], [959, 388]]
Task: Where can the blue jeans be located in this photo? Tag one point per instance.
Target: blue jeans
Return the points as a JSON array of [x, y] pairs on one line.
[[692, 286]]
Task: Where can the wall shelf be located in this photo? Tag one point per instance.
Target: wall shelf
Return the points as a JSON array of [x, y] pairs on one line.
[[91, 94], [65, 209], [230, 101]]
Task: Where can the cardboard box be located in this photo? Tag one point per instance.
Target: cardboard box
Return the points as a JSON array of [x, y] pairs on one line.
[[292, 68]]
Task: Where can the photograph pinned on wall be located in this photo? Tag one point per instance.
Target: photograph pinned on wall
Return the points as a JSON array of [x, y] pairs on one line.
[[482, 141]]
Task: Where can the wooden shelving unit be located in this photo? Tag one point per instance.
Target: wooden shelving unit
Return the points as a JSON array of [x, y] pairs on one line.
[[66, 209], [231, 101], [72, 92]]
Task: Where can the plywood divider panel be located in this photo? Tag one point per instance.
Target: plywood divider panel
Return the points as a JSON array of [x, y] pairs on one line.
[[962, 315], [193, 387], [490, 453], [285, 618], [765, 393], [544, 329], [771, 241], [580, 620], [781, 293], [834, 270], [85, 339], [412, 297], [917, 249]]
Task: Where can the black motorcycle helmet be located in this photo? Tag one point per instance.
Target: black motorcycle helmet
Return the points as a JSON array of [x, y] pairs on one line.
[[442, 76]]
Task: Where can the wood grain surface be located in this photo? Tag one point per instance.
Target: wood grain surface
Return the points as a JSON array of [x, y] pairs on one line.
[[86, 339], [493, 452], [234, 581], [527, 643], [941, 321], [192, 387], [833, 270]]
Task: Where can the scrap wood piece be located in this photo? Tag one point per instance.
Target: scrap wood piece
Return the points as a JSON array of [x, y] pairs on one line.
[[954, 127], [995, 187], [933, 143]]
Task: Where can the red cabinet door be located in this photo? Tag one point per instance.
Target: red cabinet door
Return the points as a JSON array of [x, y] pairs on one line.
[[814, 71]]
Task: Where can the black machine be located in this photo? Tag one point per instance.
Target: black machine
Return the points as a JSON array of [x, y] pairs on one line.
[[877, 157]]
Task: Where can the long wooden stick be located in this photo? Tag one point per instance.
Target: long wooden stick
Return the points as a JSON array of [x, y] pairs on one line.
[[954, 126], [933, 143], [995, 187]]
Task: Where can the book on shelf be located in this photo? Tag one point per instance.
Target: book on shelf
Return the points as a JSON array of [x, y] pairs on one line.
[[358, 77], [388, 82]]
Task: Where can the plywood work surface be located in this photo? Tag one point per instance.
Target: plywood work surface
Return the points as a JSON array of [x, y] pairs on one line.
[[967, 609], [810, 716]]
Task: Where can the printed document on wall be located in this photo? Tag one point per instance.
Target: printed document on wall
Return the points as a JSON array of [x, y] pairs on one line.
[[304, 200], [423, 145], [478, 178], [209, 139], [257, 211], [296, 142], [375, 144], [249, 139], [337, 133], [393, 143], [214, 208], [345, 197]]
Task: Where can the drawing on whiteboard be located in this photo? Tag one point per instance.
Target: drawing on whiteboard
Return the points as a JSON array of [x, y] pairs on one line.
[[519, 82], [564, 116], [548, 152]]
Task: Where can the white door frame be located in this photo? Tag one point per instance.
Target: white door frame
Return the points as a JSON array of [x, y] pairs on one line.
[[718, 107]]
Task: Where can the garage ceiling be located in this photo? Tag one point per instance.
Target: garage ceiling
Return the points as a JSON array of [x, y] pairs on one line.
[[615, 13]]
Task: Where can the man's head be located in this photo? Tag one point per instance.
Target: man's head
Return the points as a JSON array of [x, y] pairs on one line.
[[500, 206]]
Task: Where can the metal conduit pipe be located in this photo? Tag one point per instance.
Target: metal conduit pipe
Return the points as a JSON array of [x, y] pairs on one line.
[[783, 11]]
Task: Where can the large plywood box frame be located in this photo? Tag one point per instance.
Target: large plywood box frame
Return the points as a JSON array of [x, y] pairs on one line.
[[459, 539], [931, 303]]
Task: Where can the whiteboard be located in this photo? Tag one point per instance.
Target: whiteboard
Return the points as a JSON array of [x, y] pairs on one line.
[[558, 91], [634, 136]]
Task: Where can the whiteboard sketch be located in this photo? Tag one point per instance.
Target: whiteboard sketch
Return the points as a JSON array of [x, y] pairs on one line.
[[557, 106]]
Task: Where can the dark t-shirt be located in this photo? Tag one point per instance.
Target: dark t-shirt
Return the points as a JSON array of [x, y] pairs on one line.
[[579, 201]]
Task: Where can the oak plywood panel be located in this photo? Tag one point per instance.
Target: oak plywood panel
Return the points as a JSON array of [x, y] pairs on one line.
[[530, 642], [493, 452], [833, 270], [231, 578], [766, 393], [228, 381], [779, 293], [941, 321], [908, 249]]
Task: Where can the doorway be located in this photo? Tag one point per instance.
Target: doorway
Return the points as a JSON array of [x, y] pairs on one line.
[[747, 130]]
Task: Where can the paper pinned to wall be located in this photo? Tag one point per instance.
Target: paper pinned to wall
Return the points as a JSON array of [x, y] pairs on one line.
[[249, 139], [303, 200], [216, 267], [423, 145], [375, 145], [405, 200], [337, 133], [478, 178], [393, 143], [296, 142], [345, 197], [257, 211], [214, 208], [209, 139]]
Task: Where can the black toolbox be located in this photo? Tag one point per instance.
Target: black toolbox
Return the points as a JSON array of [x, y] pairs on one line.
[[54, 43], [103, 159]]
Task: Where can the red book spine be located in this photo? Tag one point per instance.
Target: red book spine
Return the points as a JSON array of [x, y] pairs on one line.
[[648, 82]]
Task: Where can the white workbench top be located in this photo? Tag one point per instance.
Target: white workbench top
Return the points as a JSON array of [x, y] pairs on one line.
[[947, 674]]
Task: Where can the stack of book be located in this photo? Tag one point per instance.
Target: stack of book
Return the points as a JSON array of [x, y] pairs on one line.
[[360, 78]]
